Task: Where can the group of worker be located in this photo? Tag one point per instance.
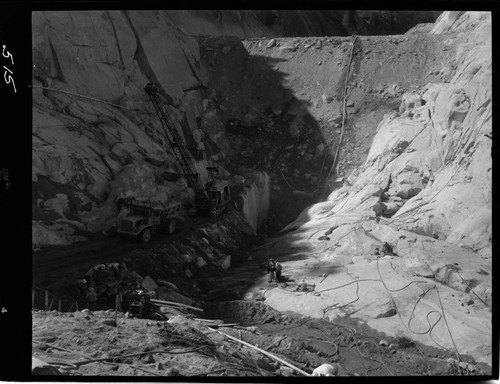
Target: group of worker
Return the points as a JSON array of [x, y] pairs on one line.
[[273, 270], [85, 291], [91, 287]]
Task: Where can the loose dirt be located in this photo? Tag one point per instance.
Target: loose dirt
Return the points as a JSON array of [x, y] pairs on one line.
[[89, 343], [185, 346]]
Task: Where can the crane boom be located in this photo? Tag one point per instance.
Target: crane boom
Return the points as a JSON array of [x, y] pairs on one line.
[[176, 143]]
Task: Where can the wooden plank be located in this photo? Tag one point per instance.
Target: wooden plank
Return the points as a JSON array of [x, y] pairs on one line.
[[225, 325], [206, 320], [51, 302], [117, 304], [175, 304]]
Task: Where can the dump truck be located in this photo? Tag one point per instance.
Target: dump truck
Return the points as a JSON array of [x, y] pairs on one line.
[[146, 218]]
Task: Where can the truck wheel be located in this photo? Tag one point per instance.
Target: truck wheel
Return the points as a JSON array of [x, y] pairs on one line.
[[146, 235], [171, 226]]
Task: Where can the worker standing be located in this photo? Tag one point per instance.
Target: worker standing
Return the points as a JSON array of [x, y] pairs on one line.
[[80, 289], [278, 272], [91, 295], [271, 269]]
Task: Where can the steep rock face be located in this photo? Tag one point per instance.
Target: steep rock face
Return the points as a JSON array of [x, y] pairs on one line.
[[433, 155], [425, 190], [91, 119], [95, 135], [276, 104], [256, 201]]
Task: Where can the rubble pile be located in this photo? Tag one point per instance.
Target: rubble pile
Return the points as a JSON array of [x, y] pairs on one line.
[[111, 279]]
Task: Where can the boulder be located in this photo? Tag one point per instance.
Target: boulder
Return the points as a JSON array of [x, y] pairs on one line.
[[187, 258], [265, 365], [292, 48], [389, 208], [82, 315], [200, 262], [327, 99], [285, 371], [407, 191], [149, 284], [172, 371], [258, 296], [134, 275], [149, 359], [225, 263], [277, 110], [320, 149], [110, 322], [410, 101], [326, 370], [58, 204], [40, 367]]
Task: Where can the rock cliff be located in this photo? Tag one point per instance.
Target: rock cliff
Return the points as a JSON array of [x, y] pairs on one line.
[[408, 204], [424, 190], [93, 127]]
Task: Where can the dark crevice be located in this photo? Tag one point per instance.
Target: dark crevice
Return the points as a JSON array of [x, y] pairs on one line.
[[116, 38], [186, 131], [105, 162], [220, 16], [142, 61], [196, 88], [193, 71], [59, 73], [106, 63]]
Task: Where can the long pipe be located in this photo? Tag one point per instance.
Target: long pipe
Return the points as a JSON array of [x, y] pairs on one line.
[[262, 351]]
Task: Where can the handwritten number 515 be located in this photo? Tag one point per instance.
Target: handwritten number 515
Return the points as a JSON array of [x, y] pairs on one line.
[[7, 74], [7, 55]]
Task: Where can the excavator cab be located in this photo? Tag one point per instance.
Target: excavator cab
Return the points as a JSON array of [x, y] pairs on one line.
[[218, 193]]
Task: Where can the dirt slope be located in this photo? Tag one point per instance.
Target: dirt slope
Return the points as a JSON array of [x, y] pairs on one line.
[[91, 343]]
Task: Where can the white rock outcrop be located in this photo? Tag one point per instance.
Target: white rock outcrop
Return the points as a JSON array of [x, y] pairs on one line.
[[426, 190]]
